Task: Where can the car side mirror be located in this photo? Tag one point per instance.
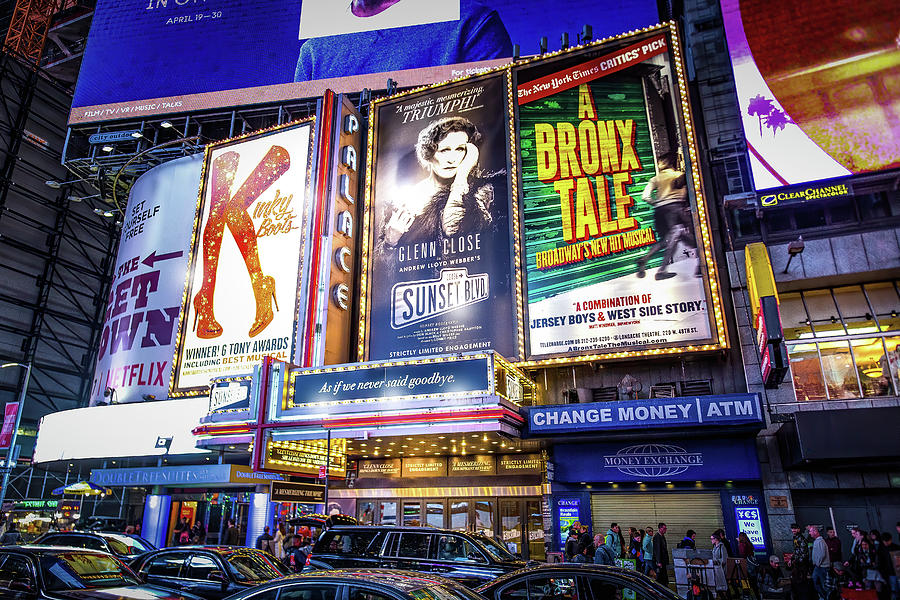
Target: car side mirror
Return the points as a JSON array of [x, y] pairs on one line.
[[21, 585], [218, 576]]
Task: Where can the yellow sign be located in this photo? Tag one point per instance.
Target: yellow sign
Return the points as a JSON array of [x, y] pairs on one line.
[[760, 278], [307, 456]]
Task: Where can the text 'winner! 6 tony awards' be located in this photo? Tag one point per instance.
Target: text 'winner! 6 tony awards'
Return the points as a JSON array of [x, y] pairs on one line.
[[439, 244]]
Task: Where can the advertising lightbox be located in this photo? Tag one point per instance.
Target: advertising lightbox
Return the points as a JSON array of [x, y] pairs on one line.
[[134, 360], [438, 255], [817, 87], [242, 295], [151, 57], [615, 236]]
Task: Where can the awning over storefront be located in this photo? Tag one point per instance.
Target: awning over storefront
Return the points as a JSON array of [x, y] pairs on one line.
[[183, 476], [852, 436]]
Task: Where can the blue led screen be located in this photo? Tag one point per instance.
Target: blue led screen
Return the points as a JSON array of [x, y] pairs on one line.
[[146, 57]]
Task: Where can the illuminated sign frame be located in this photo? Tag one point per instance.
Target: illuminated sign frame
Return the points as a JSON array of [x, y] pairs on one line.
[[718, 331], [175, 389], [368, 208]]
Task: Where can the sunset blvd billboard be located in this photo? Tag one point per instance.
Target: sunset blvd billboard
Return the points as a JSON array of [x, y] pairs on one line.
[[438, 272]]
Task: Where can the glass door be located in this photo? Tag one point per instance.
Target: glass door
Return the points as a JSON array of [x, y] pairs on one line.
[[434, 513], [511, 525], [459, 515], [412, 512], [387, 513], [484, 517], [534, 530]]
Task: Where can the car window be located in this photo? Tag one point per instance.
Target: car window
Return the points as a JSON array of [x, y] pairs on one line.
[[355, 543], [15, 569], [552, 588], [92, 543], [72, 541], [516, 591], [413, 545], [444, 592], [269, 594], [358, 593], [200, 566], [458, 549], [167, 564], [495, 549], [252, 565], [51, 540], [607, 589], [78, 570], [308, 592], [126, 545]]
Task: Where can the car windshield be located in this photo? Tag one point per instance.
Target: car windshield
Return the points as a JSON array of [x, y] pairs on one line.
[[247, 565], [124, 545], [84, 570], [495, 548]]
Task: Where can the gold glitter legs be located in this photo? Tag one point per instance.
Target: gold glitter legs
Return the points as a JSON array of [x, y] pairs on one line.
[[273, 165], [223, 172]]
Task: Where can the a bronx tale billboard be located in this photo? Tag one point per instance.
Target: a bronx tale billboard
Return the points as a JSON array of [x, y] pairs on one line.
[[615, 235]]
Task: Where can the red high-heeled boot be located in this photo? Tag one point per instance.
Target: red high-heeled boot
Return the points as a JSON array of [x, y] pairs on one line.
[[273, 165], [223, 171]]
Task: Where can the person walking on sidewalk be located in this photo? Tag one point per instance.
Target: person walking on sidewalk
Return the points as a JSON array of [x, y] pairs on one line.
[[820, 561], [647, 546], [613, 540], [661, 555]]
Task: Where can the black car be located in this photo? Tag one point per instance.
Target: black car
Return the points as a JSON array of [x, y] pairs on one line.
[[469, 558], [570, 581], [211, 572], [363, 584], [123, 545], [34, 572]]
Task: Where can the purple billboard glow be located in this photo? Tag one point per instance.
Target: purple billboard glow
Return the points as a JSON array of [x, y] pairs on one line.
[[819, 90]]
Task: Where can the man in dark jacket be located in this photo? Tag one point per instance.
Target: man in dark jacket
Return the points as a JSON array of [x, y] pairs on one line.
[[231, 535], [688, 541], [265, 541], [661, 555], [571, 548], [585, 541]]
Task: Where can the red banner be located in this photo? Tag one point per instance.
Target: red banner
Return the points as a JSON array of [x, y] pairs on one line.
[[9, 423], [591, 70]]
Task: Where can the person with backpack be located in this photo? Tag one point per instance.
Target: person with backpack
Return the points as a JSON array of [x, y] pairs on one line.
[[297, 555], [613, 540], [265, 541], [11, 536], [604, 554], [571, 548]]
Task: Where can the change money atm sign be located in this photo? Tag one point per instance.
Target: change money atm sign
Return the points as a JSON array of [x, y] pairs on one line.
[[615, 238]]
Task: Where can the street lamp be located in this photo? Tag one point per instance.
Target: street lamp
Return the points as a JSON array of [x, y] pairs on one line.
[[12, 442]]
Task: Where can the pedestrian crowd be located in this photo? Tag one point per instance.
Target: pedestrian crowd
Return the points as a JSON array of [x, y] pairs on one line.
[[649, 551], [292, 548], [818, 568]]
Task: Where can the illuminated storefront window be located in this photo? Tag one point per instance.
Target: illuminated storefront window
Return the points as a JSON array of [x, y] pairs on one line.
[[843, 342]]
